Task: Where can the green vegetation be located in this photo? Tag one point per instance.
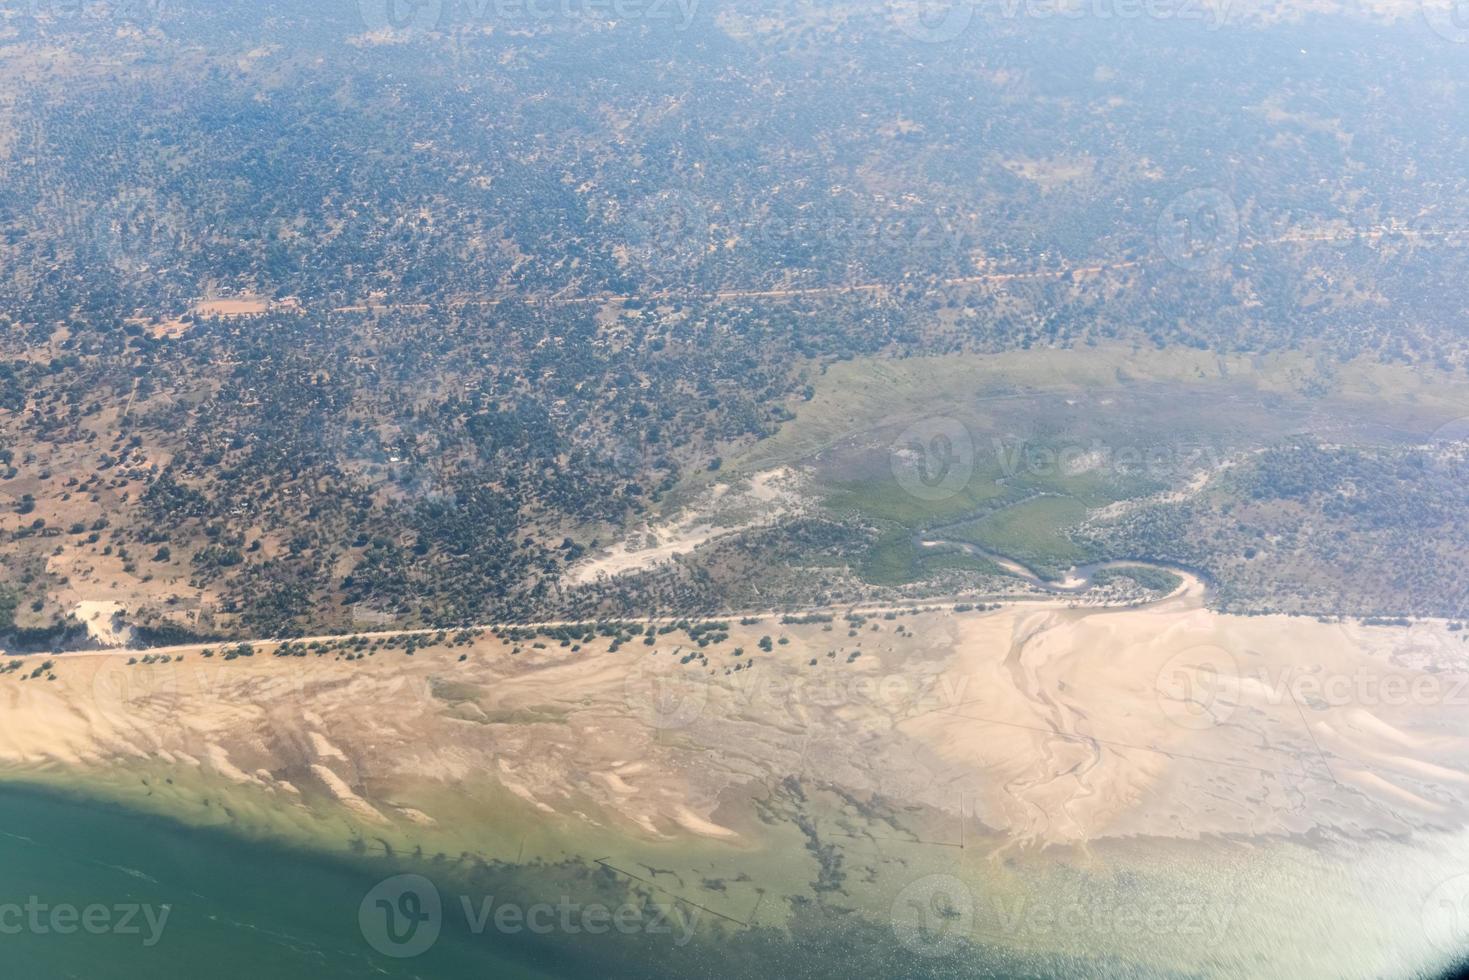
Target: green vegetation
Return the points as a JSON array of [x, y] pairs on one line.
[[895, 560], [1153, 579], [1061, 438], [1033, 532], [1349, 530], [486, 343]]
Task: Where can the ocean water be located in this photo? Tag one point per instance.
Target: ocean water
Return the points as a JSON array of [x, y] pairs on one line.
[[88, 890], [95, 892], [92, 891]]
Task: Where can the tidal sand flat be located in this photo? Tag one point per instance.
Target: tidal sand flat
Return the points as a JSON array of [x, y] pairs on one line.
[[1036, 787]]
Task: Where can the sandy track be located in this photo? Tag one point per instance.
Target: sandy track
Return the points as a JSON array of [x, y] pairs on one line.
[[1083, 271], [1058, 724]]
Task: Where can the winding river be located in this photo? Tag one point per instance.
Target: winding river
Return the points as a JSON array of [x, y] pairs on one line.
[[1079, 578]]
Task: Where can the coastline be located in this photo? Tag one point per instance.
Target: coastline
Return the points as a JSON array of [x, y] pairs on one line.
[[1034, 753]]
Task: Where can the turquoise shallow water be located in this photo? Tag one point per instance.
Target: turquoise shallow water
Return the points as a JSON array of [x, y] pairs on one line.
[[157, 900], [169, 902]]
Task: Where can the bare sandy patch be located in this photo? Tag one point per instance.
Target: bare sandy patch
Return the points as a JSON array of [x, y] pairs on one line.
[[233, 307], [722, 509], [104, 622], [1038, 736]]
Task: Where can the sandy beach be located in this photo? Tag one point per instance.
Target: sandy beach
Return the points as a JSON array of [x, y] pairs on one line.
[[1016, 742]]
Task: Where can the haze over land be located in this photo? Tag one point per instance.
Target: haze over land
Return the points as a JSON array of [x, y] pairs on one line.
[[919, 489]]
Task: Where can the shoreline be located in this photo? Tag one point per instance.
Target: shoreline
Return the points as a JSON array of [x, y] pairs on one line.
[[1196, 882], [1000, 746], [1195, 580], [834, 610]]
